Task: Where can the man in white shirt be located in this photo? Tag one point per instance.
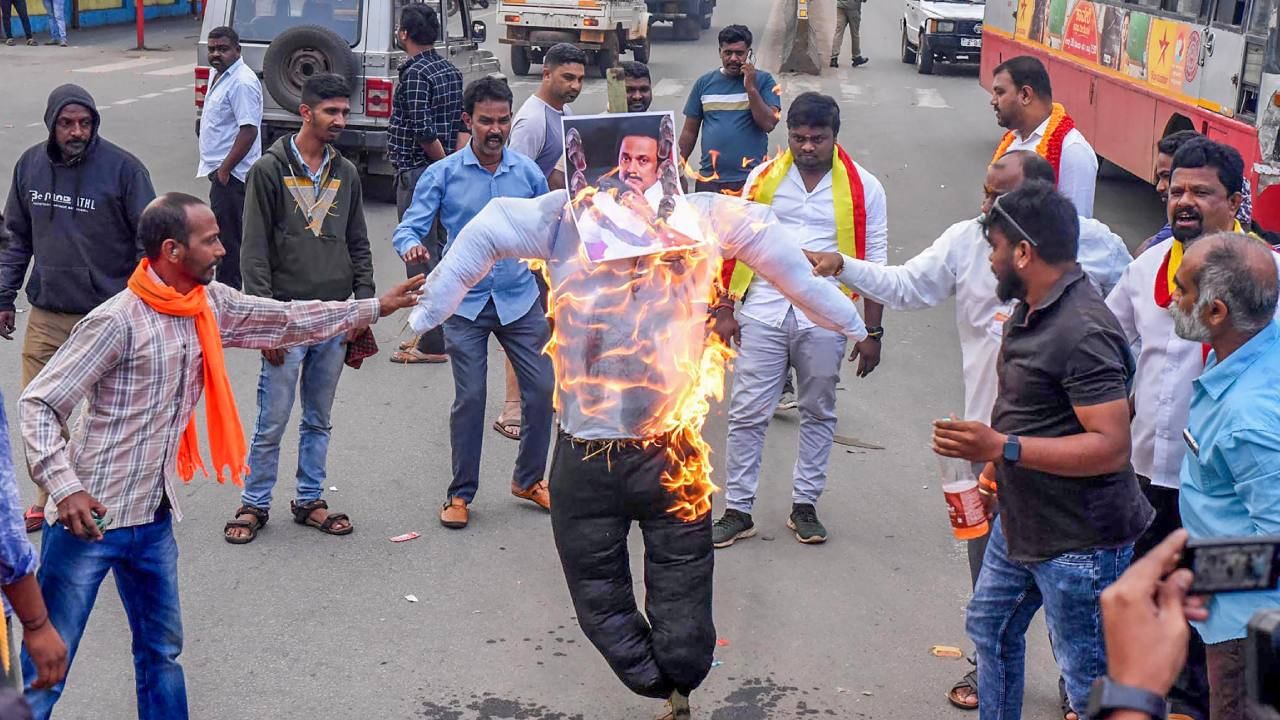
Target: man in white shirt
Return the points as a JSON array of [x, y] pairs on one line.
[[957, 264], [229, 146], [807, 187], [1022, 98], [1204, 195]]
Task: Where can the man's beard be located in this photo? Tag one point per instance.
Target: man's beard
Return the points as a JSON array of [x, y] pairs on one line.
[[1187, 234], [1010, 287], [1188, 326]]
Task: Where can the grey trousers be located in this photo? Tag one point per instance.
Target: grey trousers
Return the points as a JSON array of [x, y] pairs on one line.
[[850, 17], [759, 372]]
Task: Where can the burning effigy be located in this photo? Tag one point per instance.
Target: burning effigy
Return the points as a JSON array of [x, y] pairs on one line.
[[633, 265]]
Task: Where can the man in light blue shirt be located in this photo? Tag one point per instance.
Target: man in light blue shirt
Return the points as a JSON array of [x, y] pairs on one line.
[[1225, 296], [504, 303]]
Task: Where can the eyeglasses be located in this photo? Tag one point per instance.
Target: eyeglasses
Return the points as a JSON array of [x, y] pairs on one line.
[[988, 220]]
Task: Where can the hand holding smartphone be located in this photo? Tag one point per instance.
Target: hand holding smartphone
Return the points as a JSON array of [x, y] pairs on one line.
[[1241, 564]]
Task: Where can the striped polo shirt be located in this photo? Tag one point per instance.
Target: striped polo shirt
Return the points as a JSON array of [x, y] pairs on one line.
[[720, 102]]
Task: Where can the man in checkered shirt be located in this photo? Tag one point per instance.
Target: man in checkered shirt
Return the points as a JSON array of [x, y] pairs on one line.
[[426, 121]]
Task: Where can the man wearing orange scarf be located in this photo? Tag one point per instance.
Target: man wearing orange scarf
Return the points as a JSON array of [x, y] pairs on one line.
[[142, 360], [826, 202]]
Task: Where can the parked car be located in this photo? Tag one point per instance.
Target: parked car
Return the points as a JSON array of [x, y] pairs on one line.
[[287, 41], [941, 30], [603, 28]]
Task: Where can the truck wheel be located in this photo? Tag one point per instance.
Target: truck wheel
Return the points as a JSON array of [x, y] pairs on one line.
[[688, 28], [520, 59], [707, 9], [908, 55], [606, 57], [380, 188], [297, 54], [924, 56], [640, 53]]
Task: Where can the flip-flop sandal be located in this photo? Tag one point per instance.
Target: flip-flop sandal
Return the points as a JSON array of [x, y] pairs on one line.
[[302, 516], [34, 517], [408, 344], [259, 521], [506, 431], [414, 356], [968, 682]]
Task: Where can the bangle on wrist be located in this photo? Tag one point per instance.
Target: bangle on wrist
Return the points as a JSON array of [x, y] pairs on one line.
[[32, 626]]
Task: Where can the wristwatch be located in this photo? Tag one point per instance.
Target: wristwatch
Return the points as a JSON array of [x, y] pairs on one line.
[[876, 333], [1012, 449], [1107, 696]]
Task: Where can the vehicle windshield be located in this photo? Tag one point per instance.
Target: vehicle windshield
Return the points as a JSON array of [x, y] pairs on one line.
[[263, 20]]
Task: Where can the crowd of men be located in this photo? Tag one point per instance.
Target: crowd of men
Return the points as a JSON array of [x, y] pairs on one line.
[[1110, 400]]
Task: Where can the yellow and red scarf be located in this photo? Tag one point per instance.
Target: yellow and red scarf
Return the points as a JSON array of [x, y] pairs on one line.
[[1050, 146], [850, 211], [222, 420]]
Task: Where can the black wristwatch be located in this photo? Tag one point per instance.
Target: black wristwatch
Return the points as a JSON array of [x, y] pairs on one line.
[[1012, 449], [1108, 696], [875, 333]]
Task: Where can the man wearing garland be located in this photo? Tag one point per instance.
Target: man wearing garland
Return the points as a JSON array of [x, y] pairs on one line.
[[827, 202], [1022, 98], [634, 373]]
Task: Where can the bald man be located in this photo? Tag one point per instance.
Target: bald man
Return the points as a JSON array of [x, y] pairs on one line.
[[1225, 297]]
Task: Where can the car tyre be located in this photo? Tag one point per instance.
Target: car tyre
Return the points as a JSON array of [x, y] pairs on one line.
[[606, 57], [924, 56], [380, 188], [520, 61], [908, 55], [297, 54], [640, 53]]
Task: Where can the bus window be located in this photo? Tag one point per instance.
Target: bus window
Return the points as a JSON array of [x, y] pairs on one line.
[[1189, 9], [1230, 12], [1259, 15]]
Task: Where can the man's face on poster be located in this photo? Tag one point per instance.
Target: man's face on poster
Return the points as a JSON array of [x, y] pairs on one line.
[[638, 162]]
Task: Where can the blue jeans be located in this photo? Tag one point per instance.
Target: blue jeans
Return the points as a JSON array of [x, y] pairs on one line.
[[57, 10], [144, 561], [320, 366], [467, 342], [1007, 597]]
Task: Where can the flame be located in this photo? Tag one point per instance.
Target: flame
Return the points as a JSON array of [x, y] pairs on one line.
[[689, 455], [692, 172]]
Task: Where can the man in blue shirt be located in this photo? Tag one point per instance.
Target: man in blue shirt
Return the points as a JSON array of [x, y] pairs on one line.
[[504, 304], [739, 106], [1225, 296]]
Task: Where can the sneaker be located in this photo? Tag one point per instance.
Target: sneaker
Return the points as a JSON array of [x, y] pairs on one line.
[[733, 526], [787, 402], [835, 62], [8, 41], [859, 61], [62, 43], [804, 521]]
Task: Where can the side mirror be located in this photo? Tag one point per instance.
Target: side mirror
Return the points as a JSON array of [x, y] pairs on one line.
[[479, 33]]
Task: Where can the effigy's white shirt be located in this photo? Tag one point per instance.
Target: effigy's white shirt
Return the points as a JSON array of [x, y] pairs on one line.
[[629, 334]]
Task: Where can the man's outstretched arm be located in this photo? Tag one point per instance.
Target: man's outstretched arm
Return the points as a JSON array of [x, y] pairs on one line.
[[522, 228]]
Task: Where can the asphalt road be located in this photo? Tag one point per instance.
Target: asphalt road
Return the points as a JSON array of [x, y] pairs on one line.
[[300, 625]]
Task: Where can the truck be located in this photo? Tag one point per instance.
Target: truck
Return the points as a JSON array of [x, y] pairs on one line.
[[286, 41], [603, 28], [687, 17]]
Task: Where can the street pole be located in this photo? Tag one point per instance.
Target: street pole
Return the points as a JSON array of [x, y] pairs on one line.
[[139, 14]]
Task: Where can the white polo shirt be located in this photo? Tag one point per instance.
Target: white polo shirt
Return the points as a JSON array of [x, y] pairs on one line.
[[811, 218], [1077, 168], [234, 99]]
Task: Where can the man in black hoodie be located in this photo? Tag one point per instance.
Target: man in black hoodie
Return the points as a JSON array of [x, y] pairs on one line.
[[304, 239], [73, 207]]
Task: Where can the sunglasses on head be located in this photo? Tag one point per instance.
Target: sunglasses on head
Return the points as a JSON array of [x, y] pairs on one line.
[[989, 219]]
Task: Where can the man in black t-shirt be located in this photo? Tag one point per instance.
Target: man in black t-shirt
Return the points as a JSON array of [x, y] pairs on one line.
[[1070, 507]]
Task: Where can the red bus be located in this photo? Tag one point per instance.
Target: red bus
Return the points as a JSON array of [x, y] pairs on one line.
[[1132, 72]]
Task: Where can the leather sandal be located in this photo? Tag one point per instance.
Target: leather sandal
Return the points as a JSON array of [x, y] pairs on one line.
[[302, 516], [259, 521]]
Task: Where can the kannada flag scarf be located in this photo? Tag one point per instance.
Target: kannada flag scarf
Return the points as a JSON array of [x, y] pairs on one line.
[[226, 435], [1169, 267], [850, 210], [1050, 146]]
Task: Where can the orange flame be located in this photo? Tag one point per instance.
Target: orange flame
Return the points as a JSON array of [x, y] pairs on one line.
[[692, 172], [689, 455]]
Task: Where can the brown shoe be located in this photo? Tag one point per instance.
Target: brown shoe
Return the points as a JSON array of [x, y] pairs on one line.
[[539, 494], [455, 514]]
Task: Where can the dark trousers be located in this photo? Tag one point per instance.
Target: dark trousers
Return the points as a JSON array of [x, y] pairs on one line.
[[1190, 692], [1227, 674], [467, 342], [6, 7], [599, 489], [724, 188], [227, 203], [430, 342]]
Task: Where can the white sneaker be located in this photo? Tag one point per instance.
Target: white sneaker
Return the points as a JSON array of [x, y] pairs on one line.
[[787, 402]]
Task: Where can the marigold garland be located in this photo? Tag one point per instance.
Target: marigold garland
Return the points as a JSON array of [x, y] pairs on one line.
[[1050, 146]]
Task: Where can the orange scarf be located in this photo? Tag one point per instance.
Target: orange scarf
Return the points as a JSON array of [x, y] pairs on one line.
[[226, 435], [1050, 145]]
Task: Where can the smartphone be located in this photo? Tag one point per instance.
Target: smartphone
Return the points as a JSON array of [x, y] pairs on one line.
[[751, 57], [1237, 564]]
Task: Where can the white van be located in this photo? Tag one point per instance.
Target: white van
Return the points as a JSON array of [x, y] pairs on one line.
[[941, 30]]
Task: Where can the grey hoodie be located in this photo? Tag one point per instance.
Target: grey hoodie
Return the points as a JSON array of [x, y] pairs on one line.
[[78, 220]]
